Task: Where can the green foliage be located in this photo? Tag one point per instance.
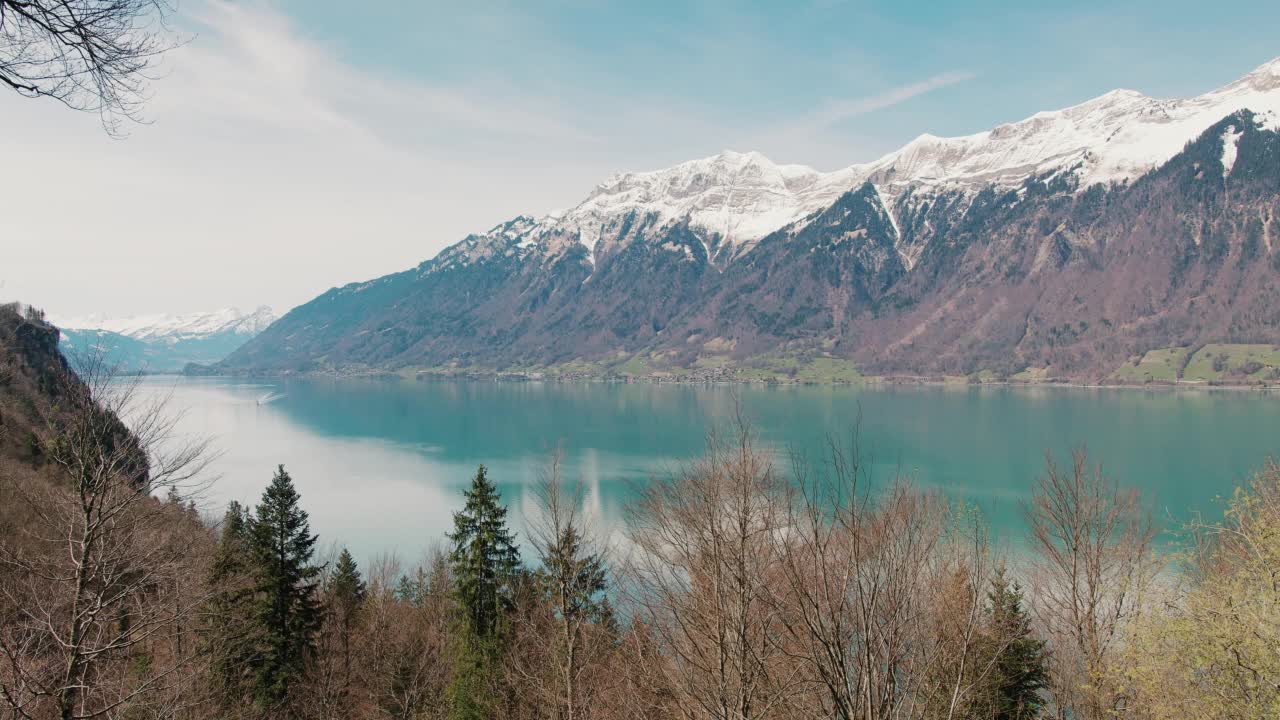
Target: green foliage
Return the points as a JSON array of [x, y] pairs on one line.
[[485, 563], [347, 588], [1020, 671], [1209, 650], [414, 589], [228, 637], [484, 559], [576, 579], [471, 695], [286, 611]]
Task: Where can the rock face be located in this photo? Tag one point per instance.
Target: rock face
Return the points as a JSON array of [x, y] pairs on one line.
[[1071, 241], [39, 391], [164, 343]]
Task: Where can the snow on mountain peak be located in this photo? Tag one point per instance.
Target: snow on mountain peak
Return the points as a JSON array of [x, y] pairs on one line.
[[178, 327], [737, 197], [742, 196], [1264, 77], [1113, 137]]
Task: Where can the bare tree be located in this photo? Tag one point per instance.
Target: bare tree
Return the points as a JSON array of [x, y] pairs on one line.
[[1093, 543], [101, 580], [882, 592], [403, 655], [699, 579], [573, 575], [90, 55]]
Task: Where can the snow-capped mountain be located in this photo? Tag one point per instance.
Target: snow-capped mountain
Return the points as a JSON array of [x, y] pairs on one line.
[[736, 198], [1118, 136], [879, 261], [164, 343], [177, 327]]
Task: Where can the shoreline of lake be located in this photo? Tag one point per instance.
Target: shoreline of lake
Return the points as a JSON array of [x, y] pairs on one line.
[[673, 379]]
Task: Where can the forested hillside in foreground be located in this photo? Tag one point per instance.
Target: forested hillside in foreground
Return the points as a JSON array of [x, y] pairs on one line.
[[737, 591]]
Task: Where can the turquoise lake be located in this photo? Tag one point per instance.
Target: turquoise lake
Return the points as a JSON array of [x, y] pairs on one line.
[[381, 463]]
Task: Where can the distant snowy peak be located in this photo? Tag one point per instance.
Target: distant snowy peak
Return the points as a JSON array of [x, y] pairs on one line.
[[744, 196], [178, 327], [737, 196]]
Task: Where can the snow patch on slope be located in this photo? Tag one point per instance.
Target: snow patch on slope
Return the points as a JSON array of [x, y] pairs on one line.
[[1230, 148]]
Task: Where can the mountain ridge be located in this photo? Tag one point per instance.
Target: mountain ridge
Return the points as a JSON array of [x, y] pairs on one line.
[[678, 265], [182, 326], [163, 343]]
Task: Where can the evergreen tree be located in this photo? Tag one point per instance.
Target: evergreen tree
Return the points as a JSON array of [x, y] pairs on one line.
[[484, 563], [229, 635], [346, 596], [1020, 669], [412, 590], [484, 558], [347, 588], [287, 612], [576, 579]]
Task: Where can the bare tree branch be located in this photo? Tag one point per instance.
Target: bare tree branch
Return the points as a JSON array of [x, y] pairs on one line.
[[90, 55]]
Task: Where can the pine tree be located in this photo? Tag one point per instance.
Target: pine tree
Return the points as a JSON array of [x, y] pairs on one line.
[[576, 578], [485, 562], [484, 558], [347, 588], [1020, 669], [229, 635], [346, 596], [287, 612], [412, 590]]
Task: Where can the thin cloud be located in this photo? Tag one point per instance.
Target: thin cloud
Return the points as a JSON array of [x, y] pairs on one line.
[[275, 160], [839, 111]]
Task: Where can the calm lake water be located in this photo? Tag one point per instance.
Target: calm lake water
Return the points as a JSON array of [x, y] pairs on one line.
[[381, 464]]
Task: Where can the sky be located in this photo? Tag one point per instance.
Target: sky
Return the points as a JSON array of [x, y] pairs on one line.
[[292, 146]]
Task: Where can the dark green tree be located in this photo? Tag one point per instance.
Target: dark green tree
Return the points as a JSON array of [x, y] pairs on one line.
[[413, 589], [484, 559], [576, 579], [347, 589], [347, 593], [287, 611], [228, 631], [1020, 669], [485, 562]]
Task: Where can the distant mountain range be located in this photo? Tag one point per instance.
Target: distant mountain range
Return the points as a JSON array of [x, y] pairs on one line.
[[163, 343], [1064, 245]]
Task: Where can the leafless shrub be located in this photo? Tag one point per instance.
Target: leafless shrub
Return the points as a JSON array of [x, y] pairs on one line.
[[882, 596], [699, 579], [564, 635], [404, 648], [1093, 543], [100, 580]]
